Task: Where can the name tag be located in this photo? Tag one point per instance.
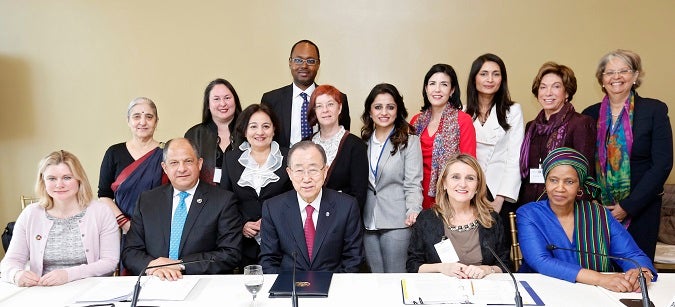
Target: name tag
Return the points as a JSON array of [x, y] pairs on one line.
[[217, 174], [536, 175], [446, 251]]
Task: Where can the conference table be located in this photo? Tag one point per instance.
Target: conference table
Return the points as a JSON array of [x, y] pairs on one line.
[[358, 289]]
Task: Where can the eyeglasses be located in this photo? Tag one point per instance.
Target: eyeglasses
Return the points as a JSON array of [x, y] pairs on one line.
[[623, 73], [310, 172], [330, 106], [310, 61]]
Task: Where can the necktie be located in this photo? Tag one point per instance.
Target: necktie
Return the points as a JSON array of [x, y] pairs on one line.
[[309, 230], [305, 129], [177, 224]]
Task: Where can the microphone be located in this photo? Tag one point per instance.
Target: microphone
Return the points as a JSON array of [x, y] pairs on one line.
[[641, 277], [518, 299], [137, 288], [294, 295]]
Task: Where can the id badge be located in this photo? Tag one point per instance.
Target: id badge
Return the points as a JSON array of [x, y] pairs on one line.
[[536, 175], [446, 251], [217, 173]]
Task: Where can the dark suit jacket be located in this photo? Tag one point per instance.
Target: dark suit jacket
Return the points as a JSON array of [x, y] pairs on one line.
[[650, 163], [212, 230], [249, 202], [281, 102], [338, 244], [429, 229], [349, 170]]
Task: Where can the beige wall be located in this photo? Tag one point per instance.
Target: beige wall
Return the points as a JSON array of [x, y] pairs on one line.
[[69, 68]]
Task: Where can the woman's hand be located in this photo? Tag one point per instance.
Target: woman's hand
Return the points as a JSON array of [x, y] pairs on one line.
[[54, 278], [454, 269], [476, 271], [411, 219], [497, 203], [617, 212], [616, 282], [251, 229], [26, 279], [633, 277]]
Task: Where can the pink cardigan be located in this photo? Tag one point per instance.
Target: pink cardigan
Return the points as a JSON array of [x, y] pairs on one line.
[[100, 238]]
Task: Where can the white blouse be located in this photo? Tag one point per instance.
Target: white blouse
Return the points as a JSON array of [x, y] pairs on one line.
[[331, 145], [255, 175]]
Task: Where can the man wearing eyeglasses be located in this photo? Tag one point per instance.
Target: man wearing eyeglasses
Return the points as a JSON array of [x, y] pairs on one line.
[[290, 103], [320, 226]]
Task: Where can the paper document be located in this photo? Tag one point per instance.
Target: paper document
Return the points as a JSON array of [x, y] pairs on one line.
[[441, 289], [153, 289]]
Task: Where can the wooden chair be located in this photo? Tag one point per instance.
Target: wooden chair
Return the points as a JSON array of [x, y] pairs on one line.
[[516, 255], [27, 200], [664, 259]]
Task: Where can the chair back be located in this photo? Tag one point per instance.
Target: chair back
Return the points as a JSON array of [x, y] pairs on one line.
[[516, 255], [27, 200]]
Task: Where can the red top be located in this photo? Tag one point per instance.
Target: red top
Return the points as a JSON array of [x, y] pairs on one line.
[[467, 145]]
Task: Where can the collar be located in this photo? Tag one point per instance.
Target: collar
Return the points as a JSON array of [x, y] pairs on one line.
[[309, 90], [316, 203], [191, 191]]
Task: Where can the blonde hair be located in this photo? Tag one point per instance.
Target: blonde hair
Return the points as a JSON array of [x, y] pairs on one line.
[[84, 193], [479, 202]]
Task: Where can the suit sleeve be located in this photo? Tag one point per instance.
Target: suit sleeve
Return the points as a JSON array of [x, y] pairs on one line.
[[416, 251], [134, 255], [270, 248], [359, 171], [651, 183], [412, 177], [352, 252], [227, 253]]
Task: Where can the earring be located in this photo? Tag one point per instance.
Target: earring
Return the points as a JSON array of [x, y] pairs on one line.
[[580, 193]]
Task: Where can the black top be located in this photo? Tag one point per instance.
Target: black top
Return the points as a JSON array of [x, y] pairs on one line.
[[349, 170], [116, 159], [429, 230], [205, 136]]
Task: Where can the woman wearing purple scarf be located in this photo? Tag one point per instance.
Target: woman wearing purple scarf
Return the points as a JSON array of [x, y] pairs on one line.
[[556, 125]]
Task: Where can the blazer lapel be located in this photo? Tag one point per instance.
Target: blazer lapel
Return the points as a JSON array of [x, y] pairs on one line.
[[325, 221], [384, 158], [294, 224], [199, 200], [164, 215]]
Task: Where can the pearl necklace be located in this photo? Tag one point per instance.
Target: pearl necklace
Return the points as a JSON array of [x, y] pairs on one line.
[[471, 226]]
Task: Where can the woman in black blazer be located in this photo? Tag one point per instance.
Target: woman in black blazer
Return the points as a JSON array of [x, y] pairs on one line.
[[255, 170], [634, 147], [346, 153]]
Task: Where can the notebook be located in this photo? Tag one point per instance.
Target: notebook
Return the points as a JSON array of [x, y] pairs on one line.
[[307, 284]]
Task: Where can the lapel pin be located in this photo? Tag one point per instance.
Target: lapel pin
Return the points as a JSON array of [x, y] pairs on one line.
[[327, 213], [38, 237], [199, 200]]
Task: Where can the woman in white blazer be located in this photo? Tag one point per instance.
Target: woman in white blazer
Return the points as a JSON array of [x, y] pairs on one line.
[[395, 180], [499, 131]]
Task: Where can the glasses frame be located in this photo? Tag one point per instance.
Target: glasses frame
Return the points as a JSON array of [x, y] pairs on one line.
[[623, 73], [299, 61]]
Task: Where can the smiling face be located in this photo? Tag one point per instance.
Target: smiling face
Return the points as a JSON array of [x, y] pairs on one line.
[[304, 74], [221, 104], [383, 111], [181, 164], [60, 183], [307, 171], [489, 78], [551, 94], [619, 77], [562, 185], [142, 121], [260, 131], [327, 110], [439, 89], [460, 182]]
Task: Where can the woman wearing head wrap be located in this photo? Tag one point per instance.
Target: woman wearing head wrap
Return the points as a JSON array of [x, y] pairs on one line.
[[565, 221]]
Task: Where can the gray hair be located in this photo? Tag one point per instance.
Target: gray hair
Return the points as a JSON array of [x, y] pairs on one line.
[[631, 58], [139, 100]]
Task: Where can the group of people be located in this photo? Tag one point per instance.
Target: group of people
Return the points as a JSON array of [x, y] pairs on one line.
[[285, 183]]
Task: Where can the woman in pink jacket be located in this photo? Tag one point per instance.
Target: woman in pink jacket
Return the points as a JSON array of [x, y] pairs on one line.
[[66, 235]]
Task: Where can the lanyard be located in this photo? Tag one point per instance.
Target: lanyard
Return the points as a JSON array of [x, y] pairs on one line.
[[370, 164]]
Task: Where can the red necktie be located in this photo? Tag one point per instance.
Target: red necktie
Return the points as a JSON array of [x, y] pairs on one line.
[[309, 230]]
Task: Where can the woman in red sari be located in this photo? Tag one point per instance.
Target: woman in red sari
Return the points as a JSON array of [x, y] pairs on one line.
[[134, 166]]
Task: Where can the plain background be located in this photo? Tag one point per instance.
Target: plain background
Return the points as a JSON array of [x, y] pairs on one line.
[[68, 69]]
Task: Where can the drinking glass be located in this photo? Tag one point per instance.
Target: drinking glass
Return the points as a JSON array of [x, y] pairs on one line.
[[253, 279]]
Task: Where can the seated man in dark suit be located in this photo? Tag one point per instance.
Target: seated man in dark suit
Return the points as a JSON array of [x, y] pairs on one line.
[[288, 102], [323, 227], [184, 220]]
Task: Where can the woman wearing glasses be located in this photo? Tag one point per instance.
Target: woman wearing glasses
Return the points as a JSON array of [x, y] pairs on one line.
[[634, 147], [395, 172], [255, 170], [345, 152], [214, 134], [443, 128], [556, 125]]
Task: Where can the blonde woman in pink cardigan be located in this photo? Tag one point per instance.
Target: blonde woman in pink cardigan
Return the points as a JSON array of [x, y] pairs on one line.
[[66, 236]]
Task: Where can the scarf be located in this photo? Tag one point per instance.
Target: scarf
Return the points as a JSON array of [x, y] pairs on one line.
[[446, 141], [591, 226], [555, 128], [614, 145]]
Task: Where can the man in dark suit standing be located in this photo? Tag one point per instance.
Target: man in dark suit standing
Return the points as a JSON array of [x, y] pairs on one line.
[[321, 226], [290, 102], [184, 220]]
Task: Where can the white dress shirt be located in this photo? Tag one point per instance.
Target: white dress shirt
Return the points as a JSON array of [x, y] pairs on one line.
[[296, 109]]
